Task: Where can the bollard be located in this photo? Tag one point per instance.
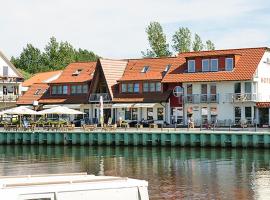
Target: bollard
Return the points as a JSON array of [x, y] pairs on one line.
[[201, 127], [174, 126]]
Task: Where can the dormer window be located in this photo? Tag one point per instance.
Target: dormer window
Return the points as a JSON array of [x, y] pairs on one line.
[[77, 72], [205, 65], [229, 64], [145, 69], [214, 65], [191, 66]]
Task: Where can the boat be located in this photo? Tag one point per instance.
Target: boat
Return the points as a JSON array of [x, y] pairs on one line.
[[73, 186]]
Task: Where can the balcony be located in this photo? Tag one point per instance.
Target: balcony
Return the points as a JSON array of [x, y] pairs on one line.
[[242, 97], [201, 98], [9, 98], [96, 97]]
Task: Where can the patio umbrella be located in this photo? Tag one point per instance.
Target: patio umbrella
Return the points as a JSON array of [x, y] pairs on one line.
[[101, 111], [60, 110], [20, 110]]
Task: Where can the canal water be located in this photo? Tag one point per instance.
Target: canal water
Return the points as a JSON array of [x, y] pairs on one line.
[[173, 173]]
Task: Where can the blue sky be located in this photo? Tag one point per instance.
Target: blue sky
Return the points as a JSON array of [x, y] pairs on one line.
[[116, 29]]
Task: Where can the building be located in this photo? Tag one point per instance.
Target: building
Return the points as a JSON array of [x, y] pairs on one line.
[[10, 83], [69, 87], [228, 86], [231, 86]]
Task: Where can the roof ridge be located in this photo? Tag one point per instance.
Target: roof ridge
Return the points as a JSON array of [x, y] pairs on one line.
[[190, 52]]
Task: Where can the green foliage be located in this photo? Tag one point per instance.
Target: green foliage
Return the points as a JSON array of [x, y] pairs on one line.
[[25, 74], [210, 45], [157, 41], [182, 40], [197, 43], [54, 57]]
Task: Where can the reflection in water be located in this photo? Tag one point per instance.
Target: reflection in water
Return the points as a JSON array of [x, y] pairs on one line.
[[173, 173]]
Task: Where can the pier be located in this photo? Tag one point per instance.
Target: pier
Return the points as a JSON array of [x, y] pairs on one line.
[[141, 138]]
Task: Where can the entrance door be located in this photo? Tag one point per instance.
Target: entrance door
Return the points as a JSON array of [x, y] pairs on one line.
[[107, 114], [264, 115]]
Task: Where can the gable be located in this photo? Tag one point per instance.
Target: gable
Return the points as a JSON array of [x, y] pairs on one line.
[[8, 68]]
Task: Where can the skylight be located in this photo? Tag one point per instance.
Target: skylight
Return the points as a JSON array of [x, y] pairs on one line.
[[167, 68], [145, 69], [37, 92]]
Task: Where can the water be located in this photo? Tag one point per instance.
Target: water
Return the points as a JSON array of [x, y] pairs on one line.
[[173, 173]]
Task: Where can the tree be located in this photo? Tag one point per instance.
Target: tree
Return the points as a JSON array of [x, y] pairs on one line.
[[157, 41], [83, 55], [182, 40], [197, 43], [30, 60], [210, 45]]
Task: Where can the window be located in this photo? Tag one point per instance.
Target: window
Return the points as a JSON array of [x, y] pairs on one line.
[[205, 65], [65, 89], [237, 115], [177, 115], [130, 87], [37, 92], [59, 89], [136, 87], [145, 69], [145, 87], [248, 87], [213, 93], [191, 66], [79, 89], [150, 114], [158, 87], [85, 89], [124, 87], [229, 64], [189, 93], [248, 114], [204, 93], [214, 65], [54, 89], [134, 115], [152, 87], [237, 88], [160, 113], [5, 70], [128, 114], [73, 89]]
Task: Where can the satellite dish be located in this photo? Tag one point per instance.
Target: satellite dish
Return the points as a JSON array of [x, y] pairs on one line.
[[178, 91]]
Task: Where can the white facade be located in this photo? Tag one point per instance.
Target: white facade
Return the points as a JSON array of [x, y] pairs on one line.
[[10, 83], [229, 98]]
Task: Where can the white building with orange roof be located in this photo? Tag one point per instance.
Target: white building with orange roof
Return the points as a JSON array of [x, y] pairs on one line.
[[228, 86]]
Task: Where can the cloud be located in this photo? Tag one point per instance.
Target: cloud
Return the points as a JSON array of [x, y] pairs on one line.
[[116, 28]]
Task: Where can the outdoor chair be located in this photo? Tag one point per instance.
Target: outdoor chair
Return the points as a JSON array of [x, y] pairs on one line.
[[89, 127], [109, 126]]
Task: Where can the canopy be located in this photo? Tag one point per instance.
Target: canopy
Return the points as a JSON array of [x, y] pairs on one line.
[[144, 105], [21, 110], [122, 105], [60, 110]]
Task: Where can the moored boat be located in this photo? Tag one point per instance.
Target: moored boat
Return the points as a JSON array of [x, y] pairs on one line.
[[72, 186]]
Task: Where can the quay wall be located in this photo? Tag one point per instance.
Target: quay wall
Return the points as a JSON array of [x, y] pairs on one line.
[[192, 139]]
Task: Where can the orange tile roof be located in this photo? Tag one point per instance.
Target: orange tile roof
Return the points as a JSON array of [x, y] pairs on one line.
[[86, 73], [41, 78], [245, 66], [263, 104], [155, 72], [150, 97], [29, 97]]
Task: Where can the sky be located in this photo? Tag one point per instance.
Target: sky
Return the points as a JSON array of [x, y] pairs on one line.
[[116, 28]]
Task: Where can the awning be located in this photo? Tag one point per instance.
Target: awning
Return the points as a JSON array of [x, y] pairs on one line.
[[144, 105], [122, 105]]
